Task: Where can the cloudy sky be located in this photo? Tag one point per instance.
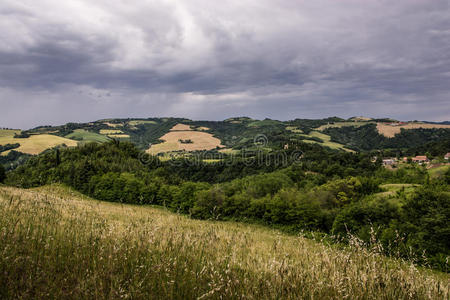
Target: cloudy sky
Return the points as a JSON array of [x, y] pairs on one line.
[[82, 60]]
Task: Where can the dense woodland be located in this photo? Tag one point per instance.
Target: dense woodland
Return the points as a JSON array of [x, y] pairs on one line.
[[331, 193]]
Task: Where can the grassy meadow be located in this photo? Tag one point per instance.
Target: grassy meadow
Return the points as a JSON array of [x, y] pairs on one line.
[[57, 243], [87, 136]]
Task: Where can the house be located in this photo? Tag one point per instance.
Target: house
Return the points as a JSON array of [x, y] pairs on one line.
[[447, 156], [405, 159], [388, 161], [420, 159]]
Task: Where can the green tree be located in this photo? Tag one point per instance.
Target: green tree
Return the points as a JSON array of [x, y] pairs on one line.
[[2, 174]]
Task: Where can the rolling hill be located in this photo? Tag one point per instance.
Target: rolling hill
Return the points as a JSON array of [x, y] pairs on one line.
[[160, 136]]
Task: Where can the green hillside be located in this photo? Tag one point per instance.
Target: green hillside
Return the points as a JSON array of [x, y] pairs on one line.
[[87, 137]]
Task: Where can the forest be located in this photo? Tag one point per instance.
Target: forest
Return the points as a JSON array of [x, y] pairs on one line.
[[328, 194]]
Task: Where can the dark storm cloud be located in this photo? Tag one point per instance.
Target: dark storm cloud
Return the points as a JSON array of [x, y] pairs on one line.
[[82, 60]]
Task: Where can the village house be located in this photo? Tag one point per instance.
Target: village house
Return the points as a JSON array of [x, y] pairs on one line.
[[421, 159], [389, 161], [447, 156]]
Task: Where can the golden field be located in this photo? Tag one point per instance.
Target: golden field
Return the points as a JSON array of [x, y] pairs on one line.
[[390, 131], [34, 144], [200, 140]]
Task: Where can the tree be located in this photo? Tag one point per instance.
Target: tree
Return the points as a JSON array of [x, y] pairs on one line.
[[2, 174]]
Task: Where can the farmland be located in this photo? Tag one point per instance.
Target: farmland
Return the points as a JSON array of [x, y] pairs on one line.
[[390, 131], [34, 144], [110, 131], [342, 124], [57, 243], [87, 136], [172, 141]]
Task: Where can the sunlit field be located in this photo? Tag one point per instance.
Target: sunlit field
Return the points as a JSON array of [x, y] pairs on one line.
[[56, 243]]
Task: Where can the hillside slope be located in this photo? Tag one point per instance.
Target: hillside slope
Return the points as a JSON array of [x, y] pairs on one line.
[[56, 243]]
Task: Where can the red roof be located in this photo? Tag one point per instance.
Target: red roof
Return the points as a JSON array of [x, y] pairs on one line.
[[420, 157]]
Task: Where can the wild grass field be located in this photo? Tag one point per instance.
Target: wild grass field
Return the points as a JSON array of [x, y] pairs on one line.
[[34, 144], [58, 244]]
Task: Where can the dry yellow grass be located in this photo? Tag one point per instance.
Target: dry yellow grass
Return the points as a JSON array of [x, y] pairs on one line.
[[181, 127], [139, 122], [200, 140], [110, 131], [390, 131], [119, 136], [34, 144], [343, 124], [57, 243], [113, 125]]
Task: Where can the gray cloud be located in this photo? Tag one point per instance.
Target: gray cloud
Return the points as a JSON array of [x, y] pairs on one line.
[[79, 60]]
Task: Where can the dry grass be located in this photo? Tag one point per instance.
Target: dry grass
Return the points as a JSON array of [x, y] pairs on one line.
[[113, 125], [8, 132], [294, 129], [181, 127], [138, 122], [229, 151], [34, 144], [110, 131], [200, 140], [343, 124], [390, 131], [55, 243], [119, 136]]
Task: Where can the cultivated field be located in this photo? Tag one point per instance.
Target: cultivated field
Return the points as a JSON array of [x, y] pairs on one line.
[[343, 124], [390, 131], [181, 132], [34, 144], [110, 131], [119, 136], [181, 127], [139, 122], [87, 136], [113, 125], [58, 244], [326, 141]]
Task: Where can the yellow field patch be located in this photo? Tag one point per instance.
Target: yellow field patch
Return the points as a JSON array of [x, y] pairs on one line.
[[9, 132], [34, 144], [181, 127], [229, 151], [110, 131], [342, 124], [138, 122], [114, 125], [200, 141], [119, 136], [294, 129], [390, 130]]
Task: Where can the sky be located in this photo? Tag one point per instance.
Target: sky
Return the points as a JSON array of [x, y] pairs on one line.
[[79, 61]]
